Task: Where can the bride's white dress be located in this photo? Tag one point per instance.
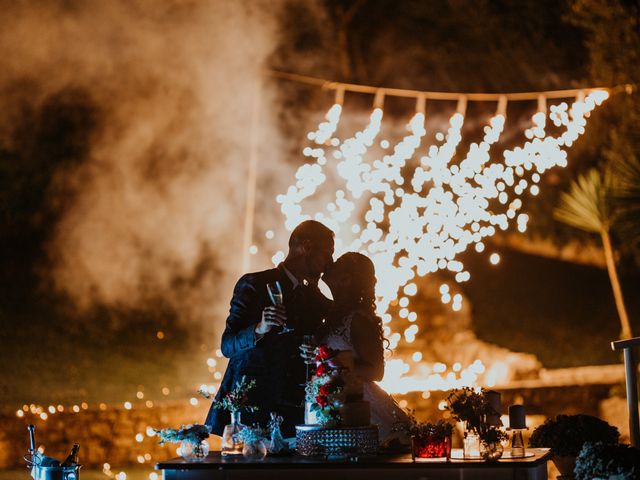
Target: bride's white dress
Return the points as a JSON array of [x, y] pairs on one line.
[[385, 412]]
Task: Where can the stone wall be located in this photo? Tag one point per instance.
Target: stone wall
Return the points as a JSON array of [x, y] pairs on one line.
[[104, 435], [109, 435]]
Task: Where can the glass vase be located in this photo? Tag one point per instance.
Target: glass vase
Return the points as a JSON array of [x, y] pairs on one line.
[[254, 450], [491, 452], [471, 444], [430, 448], [231, 445], [194, 452]]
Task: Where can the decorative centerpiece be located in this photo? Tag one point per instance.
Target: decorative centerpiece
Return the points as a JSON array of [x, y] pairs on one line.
[[479, 410], [491, 438], [325, 391], [235, 402], [429, 441], [193, 440], [566, 434], [337, 419], [253, 441]]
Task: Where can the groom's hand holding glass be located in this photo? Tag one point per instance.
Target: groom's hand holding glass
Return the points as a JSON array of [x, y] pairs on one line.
[[272, 316]]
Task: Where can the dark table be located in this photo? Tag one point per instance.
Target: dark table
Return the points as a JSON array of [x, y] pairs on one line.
[[216, 467]]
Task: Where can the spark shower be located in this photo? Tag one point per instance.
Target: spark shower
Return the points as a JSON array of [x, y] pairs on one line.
[[413, 213]]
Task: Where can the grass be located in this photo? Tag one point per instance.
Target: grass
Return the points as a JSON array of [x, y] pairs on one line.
[[44, 364]]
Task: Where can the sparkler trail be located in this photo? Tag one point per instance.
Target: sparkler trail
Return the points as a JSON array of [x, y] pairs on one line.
[[419, 223]]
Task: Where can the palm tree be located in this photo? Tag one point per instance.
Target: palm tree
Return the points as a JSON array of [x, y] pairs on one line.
[[590, 206]]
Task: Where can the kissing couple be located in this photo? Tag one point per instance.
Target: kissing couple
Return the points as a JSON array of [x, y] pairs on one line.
[[270, 343]]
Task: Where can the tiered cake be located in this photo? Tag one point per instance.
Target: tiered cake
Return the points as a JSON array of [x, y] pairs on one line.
[[337, 419]]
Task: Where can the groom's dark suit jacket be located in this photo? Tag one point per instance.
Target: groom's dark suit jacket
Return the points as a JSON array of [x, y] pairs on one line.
[[274, 360]]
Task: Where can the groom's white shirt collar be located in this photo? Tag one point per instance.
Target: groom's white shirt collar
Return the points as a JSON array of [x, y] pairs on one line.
[[292, 277], [294, 281]]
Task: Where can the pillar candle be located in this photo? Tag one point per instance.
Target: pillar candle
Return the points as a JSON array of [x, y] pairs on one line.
[[493, 398], [517, 417]]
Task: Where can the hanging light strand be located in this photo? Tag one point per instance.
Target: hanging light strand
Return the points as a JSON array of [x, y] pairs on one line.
[[325, 84]]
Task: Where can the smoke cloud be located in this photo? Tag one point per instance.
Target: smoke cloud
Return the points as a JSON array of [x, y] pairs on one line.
[[158, 199]]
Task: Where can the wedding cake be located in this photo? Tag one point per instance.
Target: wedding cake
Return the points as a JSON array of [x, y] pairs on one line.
[[337, 419]]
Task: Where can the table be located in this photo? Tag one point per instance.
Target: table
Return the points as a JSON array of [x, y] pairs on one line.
[[216, 467]]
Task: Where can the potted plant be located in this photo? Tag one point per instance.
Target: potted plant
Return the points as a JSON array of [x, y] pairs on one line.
[[192, 438], [601, 460], [235, 402], [566, 434], [429, 440], [482, 435]]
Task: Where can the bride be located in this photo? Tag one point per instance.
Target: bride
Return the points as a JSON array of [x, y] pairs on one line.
[[353, 325]]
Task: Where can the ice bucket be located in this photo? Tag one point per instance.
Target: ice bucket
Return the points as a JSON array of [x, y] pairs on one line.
[[55, 473], [47, 468]]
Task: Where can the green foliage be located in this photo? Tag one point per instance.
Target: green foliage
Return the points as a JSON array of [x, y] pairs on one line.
[[251, 434], [236, 400], [470, 406], [492, 434], [601, 460], [191, 434], [437, 431], [625, 167], [566, 434], [587, 206], [612, 29], [600, 201]]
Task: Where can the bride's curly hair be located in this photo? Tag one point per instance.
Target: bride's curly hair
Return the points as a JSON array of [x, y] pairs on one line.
[[362, 290]]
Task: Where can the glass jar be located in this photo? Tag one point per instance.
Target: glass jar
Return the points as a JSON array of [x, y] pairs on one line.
[[254, 450], [194, 452], [491, 452], [471, 444], [429, 447], [231, 445]]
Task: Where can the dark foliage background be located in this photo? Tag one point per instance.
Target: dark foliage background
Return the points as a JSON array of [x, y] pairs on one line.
[[448, 45]]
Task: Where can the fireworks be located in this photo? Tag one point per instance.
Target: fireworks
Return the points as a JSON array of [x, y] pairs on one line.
[[414, 214]]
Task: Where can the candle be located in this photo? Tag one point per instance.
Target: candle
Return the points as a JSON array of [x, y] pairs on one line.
[[493, 398], [517, 417]]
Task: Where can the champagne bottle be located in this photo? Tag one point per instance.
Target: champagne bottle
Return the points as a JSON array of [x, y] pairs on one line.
[[72, 459]]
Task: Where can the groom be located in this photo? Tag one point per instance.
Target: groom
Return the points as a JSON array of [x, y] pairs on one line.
[[251, 339]]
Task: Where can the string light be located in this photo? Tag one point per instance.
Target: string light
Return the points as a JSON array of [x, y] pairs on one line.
[[413, 218]]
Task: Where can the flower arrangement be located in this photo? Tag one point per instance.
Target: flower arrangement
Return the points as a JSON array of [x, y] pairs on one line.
[[566, 434], [235, 400], [324, 390], [492, 434], [470, 406], [251, 434], [414, 428], [193, 434], [429, 440], [601, 460]]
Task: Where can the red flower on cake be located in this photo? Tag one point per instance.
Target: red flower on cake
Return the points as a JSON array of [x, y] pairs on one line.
[[322, 352], [325, 390], [321, 370], [322, 401]]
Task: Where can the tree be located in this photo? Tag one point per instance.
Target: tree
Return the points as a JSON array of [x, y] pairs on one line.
[[599, 202]]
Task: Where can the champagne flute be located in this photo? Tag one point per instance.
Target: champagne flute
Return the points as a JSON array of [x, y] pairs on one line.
[[308, 340], [275, 294]]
